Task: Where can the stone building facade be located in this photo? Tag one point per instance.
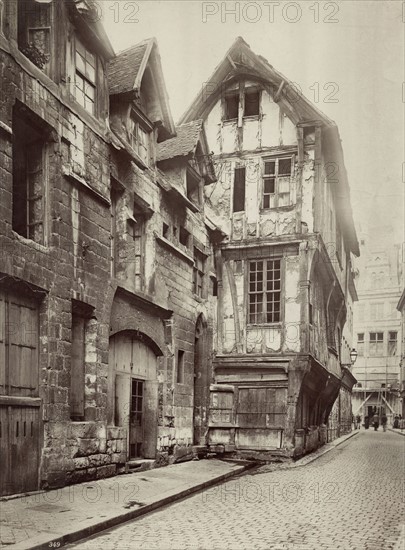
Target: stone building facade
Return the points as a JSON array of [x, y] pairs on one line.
[[105, 285], [284, 269], [122, 267], [378, 328]]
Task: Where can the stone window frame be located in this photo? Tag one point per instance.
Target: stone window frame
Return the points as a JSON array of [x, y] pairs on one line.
[[198, 272], [83, 337], [43, 135]]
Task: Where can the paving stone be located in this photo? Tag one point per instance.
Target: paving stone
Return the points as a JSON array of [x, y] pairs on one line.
[[350, 499]]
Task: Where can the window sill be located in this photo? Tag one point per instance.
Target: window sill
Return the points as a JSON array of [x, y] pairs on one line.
[[174, 248], [68, 173], [39, 246], [278, 209], [264, 325]]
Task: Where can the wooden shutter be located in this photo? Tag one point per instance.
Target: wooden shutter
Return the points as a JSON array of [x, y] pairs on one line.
[[22, 347]]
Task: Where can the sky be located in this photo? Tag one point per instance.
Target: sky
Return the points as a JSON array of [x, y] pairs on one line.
[[347, 56]]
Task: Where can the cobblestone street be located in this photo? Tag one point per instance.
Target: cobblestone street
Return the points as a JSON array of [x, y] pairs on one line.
[[352, 498]]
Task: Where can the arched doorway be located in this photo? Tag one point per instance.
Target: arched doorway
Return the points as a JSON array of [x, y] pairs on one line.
[[133, 368], [201, 381]]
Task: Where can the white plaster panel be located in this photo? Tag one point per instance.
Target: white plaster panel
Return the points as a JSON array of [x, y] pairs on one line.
[[272, 339], [229, 137], [251, 134], [254, 338], [270, 122], [213, 129], [288, 131]]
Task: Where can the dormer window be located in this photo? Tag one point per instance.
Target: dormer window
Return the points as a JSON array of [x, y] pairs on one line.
[[249, 99], [139, 139], [193, 187], [85, 77]]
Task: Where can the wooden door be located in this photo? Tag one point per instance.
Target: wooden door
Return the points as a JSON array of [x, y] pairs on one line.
[[23, 444], [20, 411], [136, 436], [136, 393]]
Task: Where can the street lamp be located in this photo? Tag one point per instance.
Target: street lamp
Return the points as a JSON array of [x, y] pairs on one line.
[[353, 356]]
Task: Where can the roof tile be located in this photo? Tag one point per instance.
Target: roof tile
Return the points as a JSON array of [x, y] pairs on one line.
[[184, 143]]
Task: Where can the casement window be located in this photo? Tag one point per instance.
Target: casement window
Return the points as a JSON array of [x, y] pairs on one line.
[[19, 345], [277, 182], [34, 32], [85, 77], [392, 343], [264, 292], [360, 344], [239, 186], [376, 344], [376, 311], [30, 175], [180, 367], [249, 98], [139, 139], [198, 272], [193, 188]]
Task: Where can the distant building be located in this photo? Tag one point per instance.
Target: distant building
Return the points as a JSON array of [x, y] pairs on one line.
[[401, 309], [377, 329]]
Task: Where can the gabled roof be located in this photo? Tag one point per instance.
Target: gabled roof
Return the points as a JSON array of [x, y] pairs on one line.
[[126, 71], [183, 144], [241, 61]]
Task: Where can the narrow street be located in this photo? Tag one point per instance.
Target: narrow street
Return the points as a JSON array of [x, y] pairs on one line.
[[352, 498]]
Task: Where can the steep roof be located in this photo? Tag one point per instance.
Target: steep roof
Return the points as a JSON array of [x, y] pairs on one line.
[[183, 144], [123, 70], [241, 61], [126, 71]]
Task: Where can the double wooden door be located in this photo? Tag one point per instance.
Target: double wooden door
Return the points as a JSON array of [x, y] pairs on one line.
[[136, 393]]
